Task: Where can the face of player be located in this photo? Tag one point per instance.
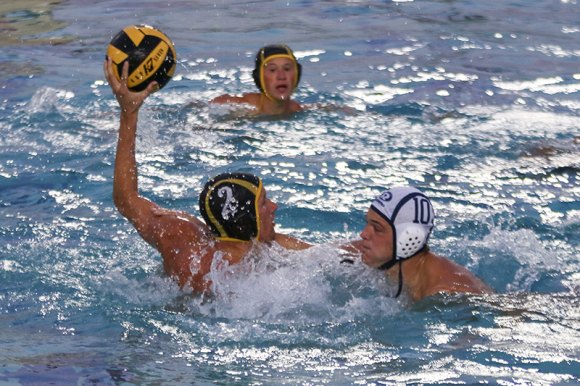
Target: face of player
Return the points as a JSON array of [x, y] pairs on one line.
[[279, 78], [377, 240], [267, 213]]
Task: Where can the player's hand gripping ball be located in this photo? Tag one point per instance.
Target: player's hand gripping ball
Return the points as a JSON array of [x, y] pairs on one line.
[[150, 53]]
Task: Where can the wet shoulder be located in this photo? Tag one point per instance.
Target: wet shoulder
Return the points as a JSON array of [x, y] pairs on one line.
[[250, 99]]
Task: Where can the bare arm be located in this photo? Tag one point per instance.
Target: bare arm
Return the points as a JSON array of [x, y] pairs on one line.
[[354, 246], [222, 99], [125, 190], [250, 98], [156, 228], [290, 242]]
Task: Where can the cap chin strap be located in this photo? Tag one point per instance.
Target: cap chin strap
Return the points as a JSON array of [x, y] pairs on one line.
[[297, 70], [389, 264], [411, 238], [400, 289]]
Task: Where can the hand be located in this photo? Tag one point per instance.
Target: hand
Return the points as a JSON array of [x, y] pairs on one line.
[[129, 101]]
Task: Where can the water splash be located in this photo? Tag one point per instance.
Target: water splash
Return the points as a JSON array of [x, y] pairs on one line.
[[303, 287]]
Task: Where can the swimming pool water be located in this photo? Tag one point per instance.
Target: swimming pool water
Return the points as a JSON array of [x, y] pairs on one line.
[[475, 103]]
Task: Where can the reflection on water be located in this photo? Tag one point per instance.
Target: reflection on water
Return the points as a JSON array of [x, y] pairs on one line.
[[26, 21], [475, 103]]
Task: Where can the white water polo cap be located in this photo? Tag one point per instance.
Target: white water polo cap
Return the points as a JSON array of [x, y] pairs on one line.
[[411, 215]]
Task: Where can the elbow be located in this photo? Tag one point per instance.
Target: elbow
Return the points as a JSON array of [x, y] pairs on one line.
[[121, 202]]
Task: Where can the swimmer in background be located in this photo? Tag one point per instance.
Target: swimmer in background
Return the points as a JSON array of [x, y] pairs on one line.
[[276, 74], [237, 212], [399, 223]]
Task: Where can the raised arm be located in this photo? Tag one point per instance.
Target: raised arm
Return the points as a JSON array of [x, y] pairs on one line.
[[159, 227], [126, 196]]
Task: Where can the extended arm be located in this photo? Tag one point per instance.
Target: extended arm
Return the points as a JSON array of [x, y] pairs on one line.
[[126, 196], [290, 242], [250, 98], [182, 239]]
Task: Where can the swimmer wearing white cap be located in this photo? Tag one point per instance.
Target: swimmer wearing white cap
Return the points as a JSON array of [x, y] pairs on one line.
[[399, 223], [276, 74]]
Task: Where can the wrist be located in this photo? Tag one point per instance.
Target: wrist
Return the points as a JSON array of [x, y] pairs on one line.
[[129, 112]]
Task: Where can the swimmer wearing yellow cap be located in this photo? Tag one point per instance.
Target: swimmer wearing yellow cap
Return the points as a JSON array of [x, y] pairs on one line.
[[276, 74], [237, 213]]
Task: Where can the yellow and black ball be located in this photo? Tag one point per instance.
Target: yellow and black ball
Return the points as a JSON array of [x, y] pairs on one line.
[[150, 53]]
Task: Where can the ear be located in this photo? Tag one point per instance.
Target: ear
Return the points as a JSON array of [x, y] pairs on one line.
[[299, 75], [411, 238], [256, 76]]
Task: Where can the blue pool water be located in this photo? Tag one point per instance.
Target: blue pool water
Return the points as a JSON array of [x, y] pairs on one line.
[[477, 103]]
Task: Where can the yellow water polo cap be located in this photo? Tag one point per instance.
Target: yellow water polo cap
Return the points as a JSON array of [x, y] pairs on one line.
[[267, 53]]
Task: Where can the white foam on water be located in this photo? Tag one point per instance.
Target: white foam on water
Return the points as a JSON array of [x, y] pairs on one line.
[[46, 99], [524, 247], [309, 286]]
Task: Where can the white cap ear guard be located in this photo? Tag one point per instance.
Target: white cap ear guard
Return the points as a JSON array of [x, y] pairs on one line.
[[411, 238], [411, 215]]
